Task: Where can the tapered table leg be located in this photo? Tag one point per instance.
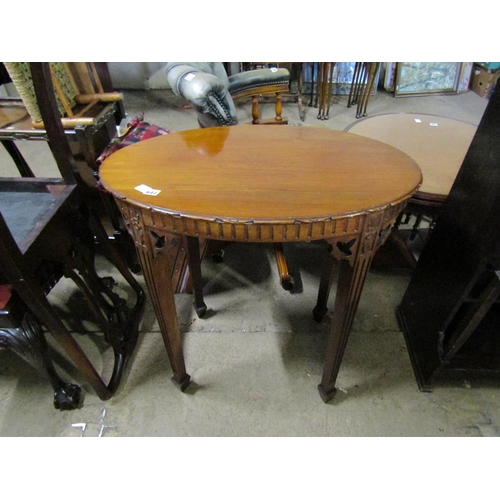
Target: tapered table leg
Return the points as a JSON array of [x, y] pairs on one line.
[[349, 288], [157, 275]]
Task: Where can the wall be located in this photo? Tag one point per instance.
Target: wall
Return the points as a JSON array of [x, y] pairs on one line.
[[138, 75], [145, 75]]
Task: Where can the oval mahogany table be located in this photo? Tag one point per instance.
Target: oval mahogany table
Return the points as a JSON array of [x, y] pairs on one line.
[[262, 184]]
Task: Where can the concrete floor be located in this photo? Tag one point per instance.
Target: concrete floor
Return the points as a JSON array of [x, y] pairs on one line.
[[255, 362]]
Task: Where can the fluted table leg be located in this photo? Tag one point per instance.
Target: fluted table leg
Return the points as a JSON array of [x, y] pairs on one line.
[[355, 255], [153, 256], [349, 288]]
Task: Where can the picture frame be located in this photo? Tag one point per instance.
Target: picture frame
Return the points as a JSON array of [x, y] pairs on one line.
[[422, 78]]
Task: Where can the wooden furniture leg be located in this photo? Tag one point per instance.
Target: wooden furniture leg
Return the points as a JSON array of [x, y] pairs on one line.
[[362, 86], [194, 263], [318, 80], [31, 292], [355, 254], [22, 333], [300, 89], [319, 312], [319, 88], [330, 88], [155, 265], [371, 73], [286, 278], [349, 288], [325, 85], [354, 84]]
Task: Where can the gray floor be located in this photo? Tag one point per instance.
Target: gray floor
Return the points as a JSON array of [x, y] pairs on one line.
[[256, 360]]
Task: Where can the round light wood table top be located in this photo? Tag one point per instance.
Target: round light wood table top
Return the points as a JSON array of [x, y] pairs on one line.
[[437, 144], [261, 183]]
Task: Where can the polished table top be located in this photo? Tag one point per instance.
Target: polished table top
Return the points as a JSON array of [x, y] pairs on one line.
[[437, 144], [261, 175]]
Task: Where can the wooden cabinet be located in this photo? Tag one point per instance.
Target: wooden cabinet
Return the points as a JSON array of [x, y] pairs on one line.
[[449, 314]]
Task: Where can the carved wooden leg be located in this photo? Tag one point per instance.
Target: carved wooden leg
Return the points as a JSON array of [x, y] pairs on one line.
[[32, 294], [157, 274], [355, 253], [350, 285], [28, 342], [194, 262]]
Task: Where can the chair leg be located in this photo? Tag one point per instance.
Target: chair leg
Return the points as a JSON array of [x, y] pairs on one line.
[[255, 110], [27, 340], [75, 250], [278, 108], [31, 293], [277, 120]]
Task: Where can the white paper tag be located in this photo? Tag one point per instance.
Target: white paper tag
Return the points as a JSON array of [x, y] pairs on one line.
[[418, 120], [147, 190], [189, 76], [433, 124]]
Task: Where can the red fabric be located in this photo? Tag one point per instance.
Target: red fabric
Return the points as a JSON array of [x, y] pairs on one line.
[[5, 294], [138, 130]]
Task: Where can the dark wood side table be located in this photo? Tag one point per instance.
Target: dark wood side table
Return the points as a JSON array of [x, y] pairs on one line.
[[262, 184]]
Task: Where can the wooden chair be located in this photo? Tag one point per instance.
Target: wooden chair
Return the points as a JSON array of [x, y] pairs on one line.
[[54, 235], [89, 110], [242, 86], [76, 106]]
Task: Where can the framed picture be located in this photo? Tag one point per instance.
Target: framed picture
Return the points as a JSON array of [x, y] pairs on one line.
[[420, 78]]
